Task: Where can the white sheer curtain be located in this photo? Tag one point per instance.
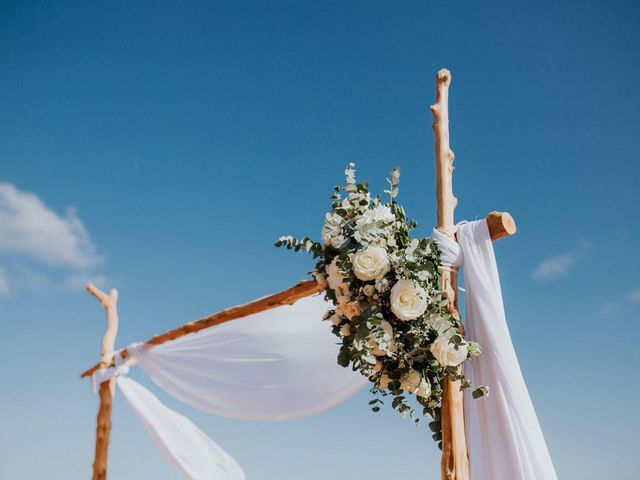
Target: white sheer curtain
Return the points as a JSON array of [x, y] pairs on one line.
[[279, 364], [187, 447], [504, 437]]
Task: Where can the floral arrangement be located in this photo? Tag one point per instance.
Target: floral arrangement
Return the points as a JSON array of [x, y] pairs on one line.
[[388, 312]]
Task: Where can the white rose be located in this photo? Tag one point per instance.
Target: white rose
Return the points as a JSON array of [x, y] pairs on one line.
[[410, 381], [370, 263], [408, 300], [335, 279], [446, 352]]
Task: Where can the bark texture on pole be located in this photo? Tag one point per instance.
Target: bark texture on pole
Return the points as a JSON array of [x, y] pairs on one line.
[[455, 462], [103, 421]]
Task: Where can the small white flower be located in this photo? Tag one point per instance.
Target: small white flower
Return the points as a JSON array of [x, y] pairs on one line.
[[382, 284], [370, 263], [446, 352], [369, 290], [381, 213], [408, 300]]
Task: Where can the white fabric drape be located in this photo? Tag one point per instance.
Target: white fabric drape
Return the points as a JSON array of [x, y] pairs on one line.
[[187, 447], [279, 364], [504, 437]]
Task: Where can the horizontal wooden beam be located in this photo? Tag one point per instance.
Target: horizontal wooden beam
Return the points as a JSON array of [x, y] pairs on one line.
[[286, 297], [501, 225]]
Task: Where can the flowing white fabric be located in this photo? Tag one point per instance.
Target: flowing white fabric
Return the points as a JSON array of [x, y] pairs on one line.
[[504, 437], [279, 364], [187, 447]]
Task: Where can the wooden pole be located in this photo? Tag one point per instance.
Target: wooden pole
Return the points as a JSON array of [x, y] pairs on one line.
[[103, 421], [455, 462]]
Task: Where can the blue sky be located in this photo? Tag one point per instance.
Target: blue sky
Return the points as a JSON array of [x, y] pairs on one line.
[[162, 147]]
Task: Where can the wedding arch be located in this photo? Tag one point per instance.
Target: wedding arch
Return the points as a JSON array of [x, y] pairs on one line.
[[236, 362]]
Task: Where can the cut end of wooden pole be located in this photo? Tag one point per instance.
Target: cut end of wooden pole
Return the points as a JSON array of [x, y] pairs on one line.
[[501, 225], [443, 76]]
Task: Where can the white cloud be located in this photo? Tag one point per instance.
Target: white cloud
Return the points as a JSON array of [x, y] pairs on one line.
[[634, 297], [559, 265], [29, 227], [613, 307], [32, 235]]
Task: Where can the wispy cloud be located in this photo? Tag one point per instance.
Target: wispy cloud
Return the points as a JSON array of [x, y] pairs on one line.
[[29, 227], [632, 297], [560, 265], [31, 233]]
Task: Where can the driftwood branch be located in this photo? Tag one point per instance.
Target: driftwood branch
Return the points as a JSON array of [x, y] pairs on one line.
[[455, 462], [103, 422], [286, 297]]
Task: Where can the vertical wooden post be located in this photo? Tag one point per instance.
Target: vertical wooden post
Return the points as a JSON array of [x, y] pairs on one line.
[[455, 462], [103, 423]]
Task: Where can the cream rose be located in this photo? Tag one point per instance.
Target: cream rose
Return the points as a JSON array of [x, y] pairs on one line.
[[408, 300], [350, 309], [369, 290], [370, 263], [446, 352]]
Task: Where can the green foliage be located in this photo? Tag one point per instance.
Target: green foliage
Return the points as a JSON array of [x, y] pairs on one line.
[[396, 354]]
